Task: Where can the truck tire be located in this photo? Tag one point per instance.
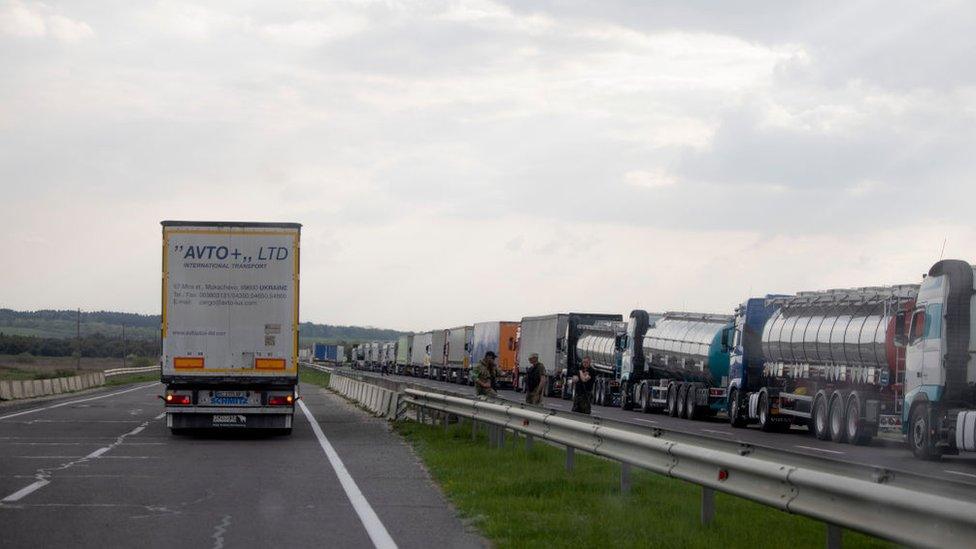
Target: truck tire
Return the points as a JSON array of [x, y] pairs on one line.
[[644, 398], [820, 417], [691, 409], [838, 418], [766, 422], [672, 406], [682, 400], [920, 434], [626, 399], [857, 432], [736, 418]]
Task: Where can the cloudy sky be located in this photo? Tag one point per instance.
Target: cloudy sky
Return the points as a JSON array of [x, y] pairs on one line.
[[474, 160]]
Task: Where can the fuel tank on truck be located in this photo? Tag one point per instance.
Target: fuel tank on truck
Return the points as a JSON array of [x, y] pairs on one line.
[[689, 346], [848, 327]]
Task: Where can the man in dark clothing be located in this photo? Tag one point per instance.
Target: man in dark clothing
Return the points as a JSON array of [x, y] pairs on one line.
[[535, 381], [583, 387], [485, 375]]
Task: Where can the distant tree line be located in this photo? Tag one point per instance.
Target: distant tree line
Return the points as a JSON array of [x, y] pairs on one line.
[[346, 333], [107, 317], [95, 345]]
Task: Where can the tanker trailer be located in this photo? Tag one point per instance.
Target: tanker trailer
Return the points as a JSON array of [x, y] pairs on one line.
[[825, 359], [601, 342], [677, 363]]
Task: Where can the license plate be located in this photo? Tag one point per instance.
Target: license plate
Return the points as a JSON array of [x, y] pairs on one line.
[[229, 398], [229, 420]]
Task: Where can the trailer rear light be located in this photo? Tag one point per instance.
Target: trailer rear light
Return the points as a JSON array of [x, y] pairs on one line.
[[187, 362], [177, 400], [281, 400], [716, 392], [269, 363]]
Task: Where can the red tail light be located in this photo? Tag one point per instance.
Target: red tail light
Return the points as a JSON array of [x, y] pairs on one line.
[[179, 400], [280, 400]]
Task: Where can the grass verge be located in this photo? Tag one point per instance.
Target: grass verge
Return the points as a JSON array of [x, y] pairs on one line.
[[126, 379], [527, 499], [315, 377]]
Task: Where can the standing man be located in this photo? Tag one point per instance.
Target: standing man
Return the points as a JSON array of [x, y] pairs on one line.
[[485, 375], [583, 387], [535, 381]]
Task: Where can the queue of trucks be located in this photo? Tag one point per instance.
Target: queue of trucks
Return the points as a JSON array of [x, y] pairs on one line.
[[846, 363]]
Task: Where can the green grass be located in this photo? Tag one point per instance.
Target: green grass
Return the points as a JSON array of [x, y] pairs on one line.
[[18, 374], [527, 499], [126, 379], [315, 377]]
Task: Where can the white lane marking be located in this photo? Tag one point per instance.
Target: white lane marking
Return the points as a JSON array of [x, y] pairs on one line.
[[959, 473], [70, 402], [160, 416], [725, 433], [44, 475], [25, 490], [374, 527], [641, 419], [219, 532], [818, 449]]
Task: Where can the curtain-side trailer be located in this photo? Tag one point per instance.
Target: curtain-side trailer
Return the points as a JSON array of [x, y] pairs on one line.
[[230, 324], [403, 354], [500, 338]]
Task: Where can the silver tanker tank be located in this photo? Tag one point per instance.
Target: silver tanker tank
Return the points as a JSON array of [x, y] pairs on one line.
[[601, 342], [688, 346], [848, 327]]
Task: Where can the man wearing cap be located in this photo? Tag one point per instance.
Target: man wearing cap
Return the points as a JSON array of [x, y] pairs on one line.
[[485, 375], [535, 380]]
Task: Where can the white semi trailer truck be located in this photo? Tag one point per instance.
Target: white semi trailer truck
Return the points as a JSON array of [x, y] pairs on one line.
[[230, 324]]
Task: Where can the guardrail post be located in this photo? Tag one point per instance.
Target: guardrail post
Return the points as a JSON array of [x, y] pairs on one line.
[[570, 458], [624, 478], [501, 437], [707, 505], [835, 536], [474, 429], [528, 442], [492, 437]]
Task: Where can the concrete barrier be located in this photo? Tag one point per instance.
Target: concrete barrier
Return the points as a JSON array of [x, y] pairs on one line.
[[30, 388]]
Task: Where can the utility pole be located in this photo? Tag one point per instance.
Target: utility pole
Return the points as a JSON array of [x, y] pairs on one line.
[[78, 339]]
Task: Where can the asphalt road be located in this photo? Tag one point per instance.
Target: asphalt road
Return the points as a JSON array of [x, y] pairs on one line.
[[880, 453], [102, 470]]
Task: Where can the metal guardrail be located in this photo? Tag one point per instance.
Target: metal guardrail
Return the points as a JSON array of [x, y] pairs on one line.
[[895, 505], [878, 507], [122, 371]]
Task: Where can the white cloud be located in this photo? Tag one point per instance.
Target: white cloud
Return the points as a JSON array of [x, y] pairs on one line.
[[36, 20], [650, 179]]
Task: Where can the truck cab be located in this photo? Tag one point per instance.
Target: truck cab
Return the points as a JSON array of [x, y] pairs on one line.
[[745, 354], [938, 414]]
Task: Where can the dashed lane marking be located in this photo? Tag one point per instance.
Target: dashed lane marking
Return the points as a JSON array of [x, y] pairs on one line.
[[70, 402], [970, 475]]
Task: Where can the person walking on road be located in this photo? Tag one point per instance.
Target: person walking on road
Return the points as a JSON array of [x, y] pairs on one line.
[[535, 381], [583, 387], [485, 375]]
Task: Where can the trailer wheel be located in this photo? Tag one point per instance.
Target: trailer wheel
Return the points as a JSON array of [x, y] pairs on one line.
[[682, 400], [838, 421], [821, 421], [735, 410], [857, 433], [673, 400], [920, 434], [691, 409]]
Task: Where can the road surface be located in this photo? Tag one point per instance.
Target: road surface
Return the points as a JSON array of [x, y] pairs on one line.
[[102, 470]]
